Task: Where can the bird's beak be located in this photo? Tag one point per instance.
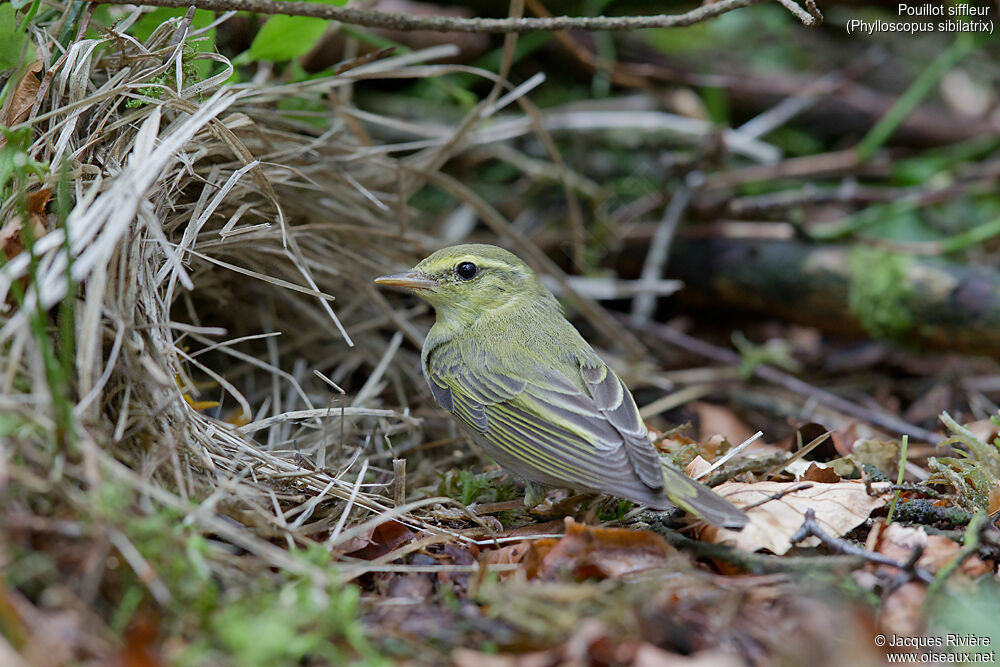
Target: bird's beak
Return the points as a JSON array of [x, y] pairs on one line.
[[410, 279]]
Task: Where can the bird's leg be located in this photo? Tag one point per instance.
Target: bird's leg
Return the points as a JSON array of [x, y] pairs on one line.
[[534, 494]]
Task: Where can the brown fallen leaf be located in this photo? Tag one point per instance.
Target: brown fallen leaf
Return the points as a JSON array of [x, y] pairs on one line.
[[141, 643], [384, 538], [839, 507], [984, 429], [844, 438], [898, 542], [22, 98], [411, 586], [883, 454], [994, 500], [808, 432], [697, 467], [930, 405], [509, 555], [670, 441], [594, 552], [815, 473], [10, 233]]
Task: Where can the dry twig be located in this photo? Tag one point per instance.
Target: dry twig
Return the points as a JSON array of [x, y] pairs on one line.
[[394, 21]]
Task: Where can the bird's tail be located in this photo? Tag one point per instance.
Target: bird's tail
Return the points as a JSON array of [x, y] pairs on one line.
[[701, 501]]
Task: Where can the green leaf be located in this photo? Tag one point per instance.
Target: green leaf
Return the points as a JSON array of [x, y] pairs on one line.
[[13, 42], [286, 37]]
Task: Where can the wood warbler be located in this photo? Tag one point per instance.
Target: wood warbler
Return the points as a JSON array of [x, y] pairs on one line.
[[503, 359]]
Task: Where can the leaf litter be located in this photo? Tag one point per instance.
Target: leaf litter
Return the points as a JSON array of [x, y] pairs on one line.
[[195, 196], [777, 510]]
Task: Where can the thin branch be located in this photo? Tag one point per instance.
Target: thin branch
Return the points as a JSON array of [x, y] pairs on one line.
[[755, 563], [782, 379], [811, 18], [395, 21], [778, 496], [659, 248], [810, 528]]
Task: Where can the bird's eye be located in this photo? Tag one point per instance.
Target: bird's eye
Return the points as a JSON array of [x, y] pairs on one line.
[[466, 270]]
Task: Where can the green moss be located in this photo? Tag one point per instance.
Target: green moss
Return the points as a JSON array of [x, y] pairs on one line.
[[614, 509], [190, 72], [924, 512], [879, 293], [973, 472], [267, 617], [467, 487]]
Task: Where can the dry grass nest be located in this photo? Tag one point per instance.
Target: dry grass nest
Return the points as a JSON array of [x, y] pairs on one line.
[[221, 255]]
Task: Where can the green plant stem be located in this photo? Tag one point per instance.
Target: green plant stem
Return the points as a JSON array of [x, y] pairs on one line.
[[67, 307], [30, 15], [977, 234], [55, 376], [963, 45]]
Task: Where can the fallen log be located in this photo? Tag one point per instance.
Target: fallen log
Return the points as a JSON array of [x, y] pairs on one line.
[[851, 290]]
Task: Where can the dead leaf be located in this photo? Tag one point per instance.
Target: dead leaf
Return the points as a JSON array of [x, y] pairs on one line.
[[882, 454], [898, 542], [806, 433], [593, 552], [671, 441], [984, 429], [22, 98], [994, 501], [697, 467], [10, 233], [844, 438], [509, 555], [385, 538], [141, 639], [839, 507], [815, 473], [593, 643]]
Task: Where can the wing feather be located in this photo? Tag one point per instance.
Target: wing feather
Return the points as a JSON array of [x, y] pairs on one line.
[[585, 433], [560, 455], [442, 394], [617, 406]]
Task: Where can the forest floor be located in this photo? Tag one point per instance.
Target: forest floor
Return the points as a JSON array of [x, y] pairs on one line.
[[216, 445]]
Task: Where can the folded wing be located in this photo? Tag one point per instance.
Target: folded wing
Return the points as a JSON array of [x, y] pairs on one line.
[[585, 433]]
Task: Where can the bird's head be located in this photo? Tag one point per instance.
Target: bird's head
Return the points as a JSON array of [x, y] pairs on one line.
[[466, 281]]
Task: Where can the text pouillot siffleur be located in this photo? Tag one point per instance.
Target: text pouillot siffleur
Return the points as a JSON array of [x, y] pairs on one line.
[[930, 9]]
